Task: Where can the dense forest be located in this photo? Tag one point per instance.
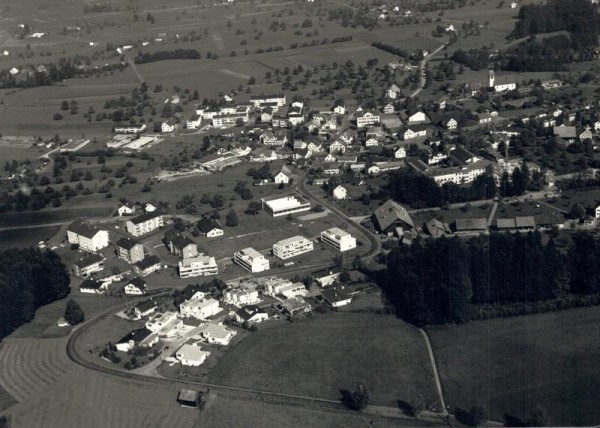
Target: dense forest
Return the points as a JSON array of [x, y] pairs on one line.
[[29, 279], [578, 17], [455, 280]]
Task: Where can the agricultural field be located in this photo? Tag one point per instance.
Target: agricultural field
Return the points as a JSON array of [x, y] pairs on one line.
[[511, 365], [388, 355]]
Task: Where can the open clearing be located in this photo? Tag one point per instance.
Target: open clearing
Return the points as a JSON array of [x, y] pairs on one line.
[[319, 356], [511, 365]]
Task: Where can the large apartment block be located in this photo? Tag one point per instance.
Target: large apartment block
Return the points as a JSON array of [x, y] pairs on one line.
[[285, 206], [130, 250], [145, 223], [251, 260], [88, 237], [292, 247], [338, 239], [201, 265]]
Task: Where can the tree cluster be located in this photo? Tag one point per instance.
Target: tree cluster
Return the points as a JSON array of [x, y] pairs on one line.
[[147, 57], [29, 278]]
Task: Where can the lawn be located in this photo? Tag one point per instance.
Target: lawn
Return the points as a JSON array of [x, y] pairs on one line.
[[21, 238], [512, 365], [319, 356]]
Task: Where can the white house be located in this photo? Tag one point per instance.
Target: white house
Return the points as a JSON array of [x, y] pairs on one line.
[[393, 91], [135, 287], [366, 119], [198, 307], [90, 286], [193, 122], [251, 314], [141, 337], [417, 117], [399, 152], [145, 223], [217, 334], [161, 321], [210, 227], [201, 265], [284, 176], [168, 125], [598, 211], [88, 237], [241, 296], [340, 192], [191, 355], [126, 209]]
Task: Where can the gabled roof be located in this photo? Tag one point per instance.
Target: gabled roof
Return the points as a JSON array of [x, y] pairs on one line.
[[90, 284], [437, 228], [180, 241], [206, 224], [146, 305], [148, 262], [336, 294], [247, 312], [391, 212], [145, 217], [138, 283], [136, 336], [127, 243], [471, 224], [83, 228]]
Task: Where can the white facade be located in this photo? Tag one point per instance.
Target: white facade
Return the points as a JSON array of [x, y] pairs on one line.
[[367, 119], [251, 260], [144, 224], [293, 290], [241, 296], [281, 178], [168, 126], [199, 308], [291, 247], [285, 206], [160, 320], [90, 243], [194, 122], [217, 334], [126, 210], [133, 290], [338, 239], [201, 265], [340, 192], [191, 355]]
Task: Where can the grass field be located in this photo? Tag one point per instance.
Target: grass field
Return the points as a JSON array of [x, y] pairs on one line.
[[21, 238], [320, 356], [511, 365]]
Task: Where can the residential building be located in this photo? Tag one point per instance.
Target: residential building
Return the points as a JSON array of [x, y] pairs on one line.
[[337, 296], [168, 125], [264, 100], [296, 289], [296, 306], [127, 208], [135, 287], [327, 277], [145, 223], [210, 227], [291, 247], [251, 260], [390, 217], [366, 119], [181, 245], [89, 238], [161, 321], [340, 192], [147, 266], [338, 239], [191, 355], [194, 121], [217, 334], [470, 226], [91, 286], [88, 265], [200, 308], [241, 296], [145, 308], [436, 228], [251, 314], [200, 265], [141, 337], [285, 206], [284, 176], [130, 250], [273, 285], [130, 129]]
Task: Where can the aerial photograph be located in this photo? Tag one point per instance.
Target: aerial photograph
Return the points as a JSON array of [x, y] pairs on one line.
[[299, 213]]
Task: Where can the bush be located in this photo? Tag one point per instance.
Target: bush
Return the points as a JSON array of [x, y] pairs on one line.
[[58, 116], [73, 313]]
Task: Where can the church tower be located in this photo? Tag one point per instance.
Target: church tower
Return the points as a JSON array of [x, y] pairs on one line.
[[491, 78]]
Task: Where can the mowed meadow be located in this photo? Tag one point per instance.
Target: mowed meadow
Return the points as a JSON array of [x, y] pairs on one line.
[[511, 365]]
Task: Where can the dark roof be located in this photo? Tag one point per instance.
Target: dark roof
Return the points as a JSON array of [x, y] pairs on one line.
[[146, 305], [390, 213], [471, 224], [91, 284], [84, 229], [461, 154], [145, 217], [148, 262], [335, 294], [138, 282], [127, 243], [247, 312], [326, 272], [89, 260], [137, 335], [206, 224], [180, 241]]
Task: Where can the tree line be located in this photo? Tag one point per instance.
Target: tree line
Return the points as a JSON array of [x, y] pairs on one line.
[[147, 57], [451, 280], [29, 278]]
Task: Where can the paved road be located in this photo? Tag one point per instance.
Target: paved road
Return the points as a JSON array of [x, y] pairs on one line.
[[422, 71]]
